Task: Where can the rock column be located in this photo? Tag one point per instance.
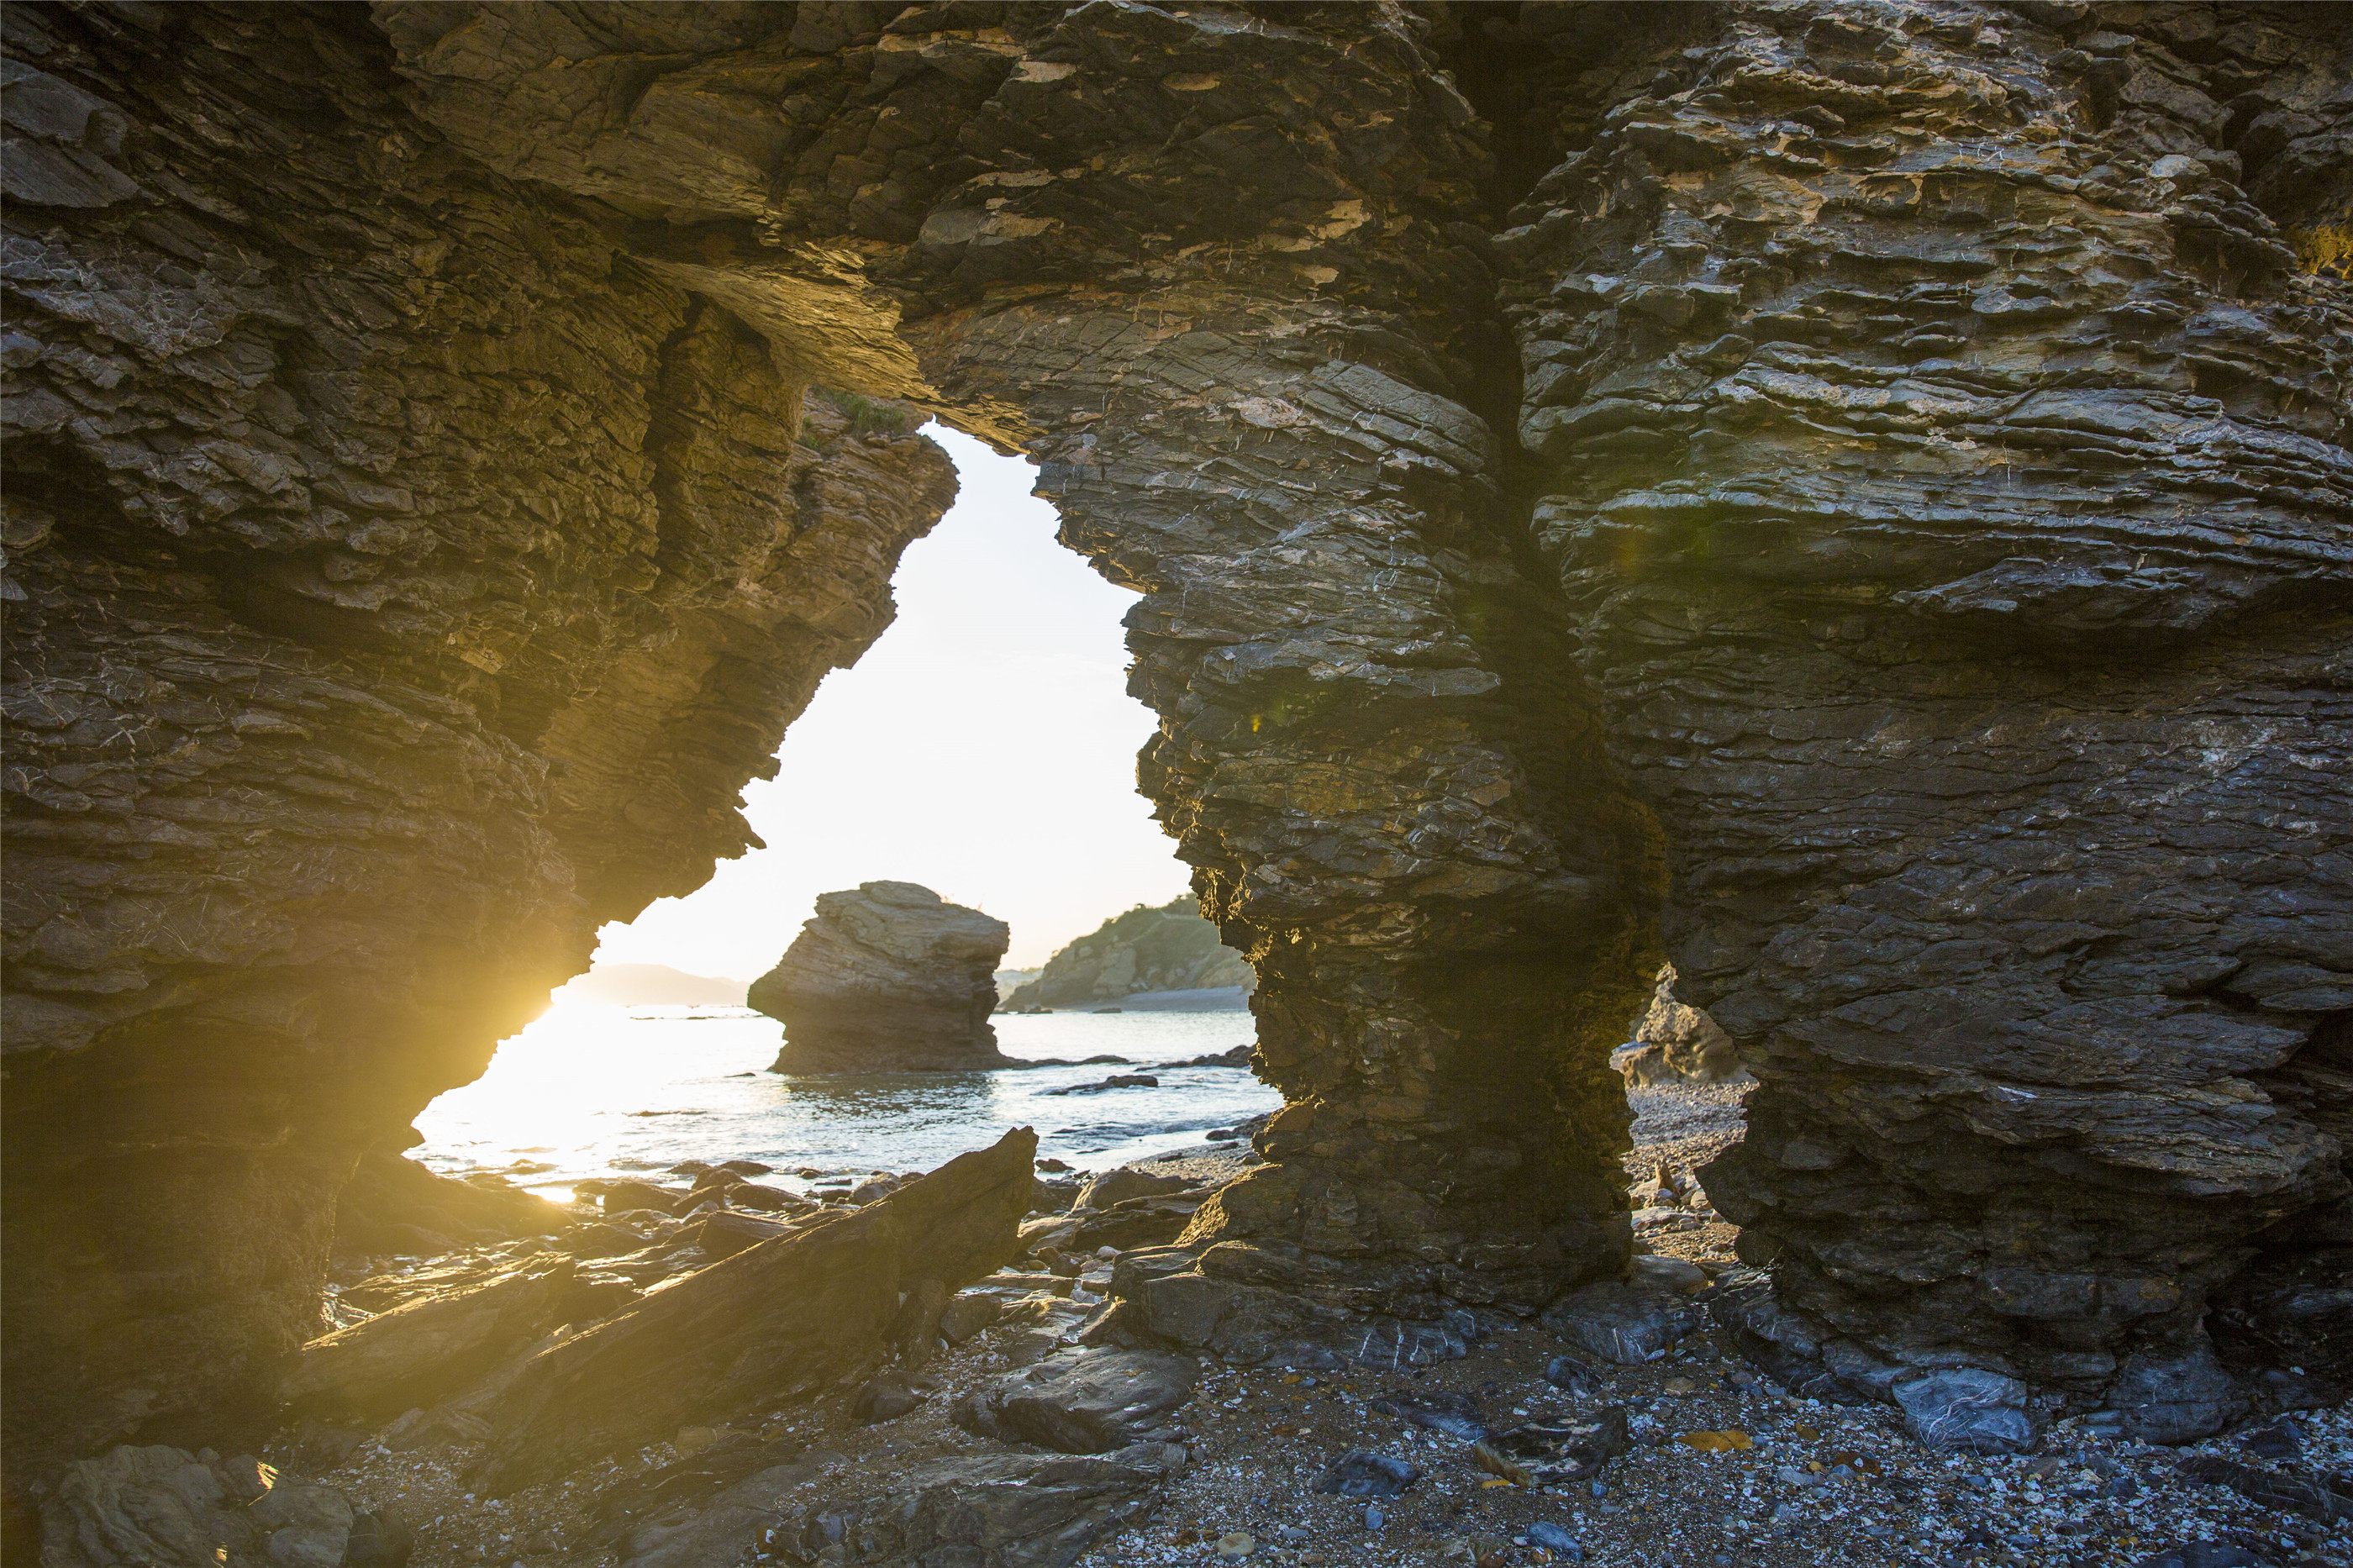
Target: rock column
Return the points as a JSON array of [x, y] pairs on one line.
[[1946, 465]]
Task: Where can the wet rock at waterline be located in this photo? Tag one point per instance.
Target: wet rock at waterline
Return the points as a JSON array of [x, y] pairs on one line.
[[888, 977], [775, 1321]]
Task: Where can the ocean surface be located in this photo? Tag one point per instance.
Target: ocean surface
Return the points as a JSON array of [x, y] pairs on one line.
[[592, 1090]]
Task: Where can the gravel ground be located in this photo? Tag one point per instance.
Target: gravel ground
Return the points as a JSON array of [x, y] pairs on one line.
[[1685, 1127], [1789, 1484]]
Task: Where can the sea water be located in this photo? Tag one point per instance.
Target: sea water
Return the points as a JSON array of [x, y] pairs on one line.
[[591, 1089]]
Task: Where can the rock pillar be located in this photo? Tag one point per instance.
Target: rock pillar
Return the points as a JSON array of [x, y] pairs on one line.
[[1945, 460]]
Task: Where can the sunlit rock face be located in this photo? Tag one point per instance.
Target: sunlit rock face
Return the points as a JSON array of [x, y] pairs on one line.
[[1851, 498], [1221, 276], [402, 583]]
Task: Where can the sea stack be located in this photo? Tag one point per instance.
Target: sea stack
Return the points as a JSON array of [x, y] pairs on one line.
[[889, 977]]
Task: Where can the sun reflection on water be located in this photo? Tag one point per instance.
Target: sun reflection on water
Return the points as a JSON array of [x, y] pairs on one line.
[[588, 1089]]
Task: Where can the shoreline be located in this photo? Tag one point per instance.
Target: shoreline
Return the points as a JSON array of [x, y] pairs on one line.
[[1804, 1482]]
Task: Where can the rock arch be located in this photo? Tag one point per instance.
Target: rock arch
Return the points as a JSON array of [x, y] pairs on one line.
[[1854, 499]]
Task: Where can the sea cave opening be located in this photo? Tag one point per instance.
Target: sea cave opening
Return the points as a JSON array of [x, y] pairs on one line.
[[983, 748], [1849, 500]]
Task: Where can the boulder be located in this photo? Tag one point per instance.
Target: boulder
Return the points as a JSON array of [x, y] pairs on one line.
[[1360, 1472], [1966, 1407], [1137, 1222], [725, 1233], [1564, 1453], [887, 978], [1126, 1182], [968, 1313], [1620, 1323], [428, 1350], [1676, 1043], [886, 1396], [620, 1197], [1091, 1403], [785, 1317], [1438, 1410], [164, 1507]]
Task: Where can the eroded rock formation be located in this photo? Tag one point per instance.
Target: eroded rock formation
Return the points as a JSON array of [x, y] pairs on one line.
[[887, 978], [402, 581], [1170, 948], [1946, 464], [1676, 1042], [779, 1321], [1852, 497]]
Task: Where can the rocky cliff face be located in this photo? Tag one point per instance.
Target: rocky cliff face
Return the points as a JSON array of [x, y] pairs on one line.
[[403, 581], [1945, 463], [1851, 498], [887, 978], [1170, 948]]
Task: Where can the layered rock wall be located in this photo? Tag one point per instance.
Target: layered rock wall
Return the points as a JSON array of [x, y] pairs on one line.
[[1249, 337], [403, 581], [1946, 464], [1849, 497]]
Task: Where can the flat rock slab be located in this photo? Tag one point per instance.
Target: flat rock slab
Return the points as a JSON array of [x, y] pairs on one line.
[[686, 1525], [1091, 1403], [784, 1317], [426, 1350], [1620, 1323], [1010, 1512]]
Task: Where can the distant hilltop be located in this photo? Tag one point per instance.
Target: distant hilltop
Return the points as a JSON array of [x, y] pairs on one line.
[[1170, 948], [653, 986]]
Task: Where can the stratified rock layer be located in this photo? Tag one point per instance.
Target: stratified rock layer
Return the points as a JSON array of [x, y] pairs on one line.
[[1853, 500], [1170, 948], [887, 978], [403, 582], [1945, 466], [794, 1314]]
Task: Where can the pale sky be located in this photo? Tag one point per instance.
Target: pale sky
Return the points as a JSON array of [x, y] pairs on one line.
[[984, 747]]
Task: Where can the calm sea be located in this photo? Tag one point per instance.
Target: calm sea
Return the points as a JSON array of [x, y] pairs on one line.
[[594, 1090]]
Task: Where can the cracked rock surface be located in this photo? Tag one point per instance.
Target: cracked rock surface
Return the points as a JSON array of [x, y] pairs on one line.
[[1850, 497]]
